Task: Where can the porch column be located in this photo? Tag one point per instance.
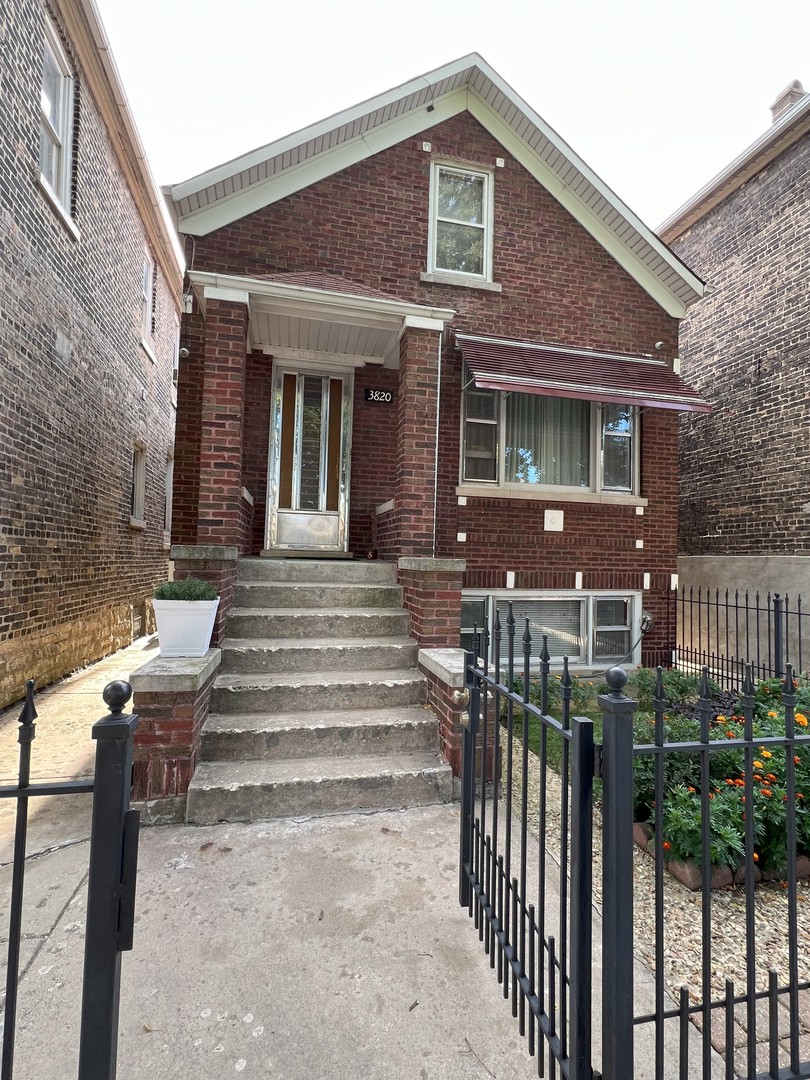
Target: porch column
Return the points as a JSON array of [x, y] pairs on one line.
[[221, 510], [419, 361]]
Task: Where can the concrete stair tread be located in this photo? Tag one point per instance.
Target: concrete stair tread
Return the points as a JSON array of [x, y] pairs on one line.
[[230, 774], [332, 718], [261, 680], [295, 613], [316, 643]]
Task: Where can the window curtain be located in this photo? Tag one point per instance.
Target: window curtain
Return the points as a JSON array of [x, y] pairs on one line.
[[547, 441]]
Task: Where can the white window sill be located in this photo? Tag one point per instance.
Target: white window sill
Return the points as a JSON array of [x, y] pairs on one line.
[[465, 281], [147, 348], [56, 203], [594, 497], [137, 523]]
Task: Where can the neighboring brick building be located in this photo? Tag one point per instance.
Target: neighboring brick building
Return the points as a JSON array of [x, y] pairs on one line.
[[89, 313], [745, 468], [423, 328]]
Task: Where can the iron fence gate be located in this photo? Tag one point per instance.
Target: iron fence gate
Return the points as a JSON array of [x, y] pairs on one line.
[[529, 863], [110, 884]]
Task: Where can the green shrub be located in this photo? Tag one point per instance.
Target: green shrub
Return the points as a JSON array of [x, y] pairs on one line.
[[185, 589]]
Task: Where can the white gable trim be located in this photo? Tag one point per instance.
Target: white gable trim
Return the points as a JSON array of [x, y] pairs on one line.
[[222, 212], [564, 195]]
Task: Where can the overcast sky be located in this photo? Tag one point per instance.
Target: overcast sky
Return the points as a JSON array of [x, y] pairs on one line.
[[655, 96]]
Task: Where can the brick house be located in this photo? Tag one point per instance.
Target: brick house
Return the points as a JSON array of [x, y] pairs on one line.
[[90, 285], [424, 331], [744, 509]]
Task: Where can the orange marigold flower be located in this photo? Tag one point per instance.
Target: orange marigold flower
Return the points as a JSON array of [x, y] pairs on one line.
[[730, 781], [740, 783], [772, 713], [757, 777], [730, 735], [796, 759], [771, 777], [720, 719], [767, 792], [756, 857], [801, 719], [758, 765], [799, 795], [767, 754], [692, 790]]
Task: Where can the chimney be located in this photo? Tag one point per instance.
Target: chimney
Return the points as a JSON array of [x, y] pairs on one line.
[[792, 93]]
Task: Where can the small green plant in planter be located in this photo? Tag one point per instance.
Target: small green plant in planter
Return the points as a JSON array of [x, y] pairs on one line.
[[186, 589], [185, 611]]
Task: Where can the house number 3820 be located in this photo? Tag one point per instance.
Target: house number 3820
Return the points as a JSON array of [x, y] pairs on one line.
[[384, 396]]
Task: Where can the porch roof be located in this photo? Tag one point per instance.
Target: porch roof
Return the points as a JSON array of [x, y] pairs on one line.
[[562, 371], [318, 317]]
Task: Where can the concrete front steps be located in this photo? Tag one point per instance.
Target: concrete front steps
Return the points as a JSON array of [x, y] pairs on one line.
[[318, 707]]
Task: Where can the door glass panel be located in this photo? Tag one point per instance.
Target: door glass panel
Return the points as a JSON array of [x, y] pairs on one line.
[[333, 456], [311, 443]]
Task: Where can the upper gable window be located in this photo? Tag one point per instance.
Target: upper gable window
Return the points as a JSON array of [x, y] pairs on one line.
[[56, 119], [461, 222]]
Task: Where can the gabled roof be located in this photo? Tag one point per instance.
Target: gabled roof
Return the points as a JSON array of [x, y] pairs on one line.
[[792, 125], [228, 192]]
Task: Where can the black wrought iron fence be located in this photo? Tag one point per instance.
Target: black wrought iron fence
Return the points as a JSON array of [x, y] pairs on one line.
[[110, 885], [717, 799], [725, 629]]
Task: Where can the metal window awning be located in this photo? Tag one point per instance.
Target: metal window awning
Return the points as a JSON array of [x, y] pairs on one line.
[[558, 371]]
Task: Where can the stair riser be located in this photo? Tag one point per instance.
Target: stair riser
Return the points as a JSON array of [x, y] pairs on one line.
[[324, 658], [337, 571], [387, 624], [317, 596], [290, 743], [252, 803], [250, 699]]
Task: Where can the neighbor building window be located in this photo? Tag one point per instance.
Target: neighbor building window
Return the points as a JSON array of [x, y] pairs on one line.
[[592, 630], [138, 485], [148, 298], [56, 119], [529, 440], [461, 222]]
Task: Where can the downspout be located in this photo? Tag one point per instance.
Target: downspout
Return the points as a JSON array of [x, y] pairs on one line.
[[436, 447]]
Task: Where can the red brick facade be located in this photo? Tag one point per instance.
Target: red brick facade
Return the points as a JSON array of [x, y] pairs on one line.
[[78, 388], [369, 223]]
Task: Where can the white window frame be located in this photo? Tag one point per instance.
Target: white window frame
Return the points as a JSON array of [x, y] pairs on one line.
[[488, 214], [587, 660], [137, 506], [596, 444], [58, 187], [148, 287]]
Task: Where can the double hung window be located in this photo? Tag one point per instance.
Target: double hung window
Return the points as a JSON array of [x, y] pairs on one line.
[[461, 222], [56, 120], [529, 440]]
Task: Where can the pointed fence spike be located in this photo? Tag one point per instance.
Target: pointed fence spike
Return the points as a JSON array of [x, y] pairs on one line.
[[703, 692], [659, 682], [544, 653], [29, 712], [497, 622], [510, 620], [748, 681], [566, 675]]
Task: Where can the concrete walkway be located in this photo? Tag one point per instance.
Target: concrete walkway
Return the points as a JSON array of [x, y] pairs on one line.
[[326, 949]]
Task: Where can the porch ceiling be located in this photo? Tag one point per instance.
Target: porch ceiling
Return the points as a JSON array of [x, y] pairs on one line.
[[321, 320]]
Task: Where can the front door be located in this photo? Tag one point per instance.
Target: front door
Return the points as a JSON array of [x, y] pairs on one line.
[[308, 481]]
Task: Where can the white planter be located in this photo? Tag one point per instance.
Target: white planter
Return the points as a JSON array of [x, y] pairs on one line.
[[184, 626]]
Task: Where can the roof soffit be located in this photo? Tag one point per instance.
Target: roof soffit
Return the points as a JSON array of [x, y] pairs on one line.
[[245, 185]]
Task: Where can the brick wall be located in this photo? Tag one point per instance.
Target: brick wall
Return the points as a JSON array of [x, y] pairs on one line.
[[76, 390], [744, 488]]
